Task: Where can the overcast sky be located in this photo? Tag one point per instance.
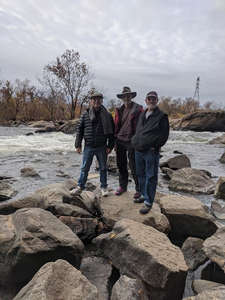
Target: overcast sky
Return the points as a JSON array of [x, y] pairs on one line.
[[160, 45]]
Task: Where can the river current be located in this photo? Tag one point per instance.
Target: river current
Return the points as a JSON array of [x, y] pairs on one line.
[[52, 155]]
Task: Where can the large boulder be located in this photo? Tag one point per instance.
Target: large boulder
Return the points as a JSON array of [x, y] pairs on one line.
[[142, 252], [31, 237], [218, 210], [6, 191], [220, 188], [177, 162], [58, 280], [115, 209], [192, 181], [222, 158], [129, 289], [193, 252], [216, 293], [29, 172], [218, 140], [200, 285], [69, 127], [203, 121], [187, 217]]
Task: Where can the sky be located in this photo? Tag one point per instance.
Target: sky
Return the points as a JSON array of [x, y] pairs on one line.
[[161, 45]]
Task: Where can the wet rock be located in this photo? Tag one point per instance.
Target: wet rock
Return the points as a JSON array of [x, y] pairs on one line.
[[200, 286], [58, 280], [220, 188], [177, 152], [177, 162], [217, 293], [202, 121], [168, 172], [218, 140], [128, 288], [218, 210], [193, 252], [214, 248], [31, 237], [98, 271], [49, 128], [69, 127], [6, 191], [29, 172], [191, 181], [142, 252], [187, 217], [29, 133], [40, 124], [222, 158], [116, 208]]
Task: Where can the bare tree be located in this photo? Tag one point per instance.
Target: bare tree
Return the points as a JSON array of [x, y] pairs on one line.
[[71, 75]]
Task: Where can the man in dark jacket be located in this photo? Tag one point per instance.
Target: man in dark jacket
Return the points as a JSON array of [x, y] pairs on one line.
[[96, 127], [126, 118], [151, 134]]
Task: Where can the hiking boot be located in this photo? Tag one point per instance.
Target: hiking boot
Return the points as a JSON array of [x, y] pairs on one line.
[[145, 209], [137, 195], [104, 192], [120, 191], [141, 199], [76, 191]]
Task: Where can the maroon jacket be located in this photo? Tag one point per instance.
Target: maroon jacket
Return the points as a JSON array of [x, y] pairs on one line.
[[135, 112]]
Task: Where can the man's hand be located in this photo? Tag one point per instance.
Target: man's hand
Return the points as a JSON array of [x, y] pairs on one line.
[[108, 150], [78, 150]]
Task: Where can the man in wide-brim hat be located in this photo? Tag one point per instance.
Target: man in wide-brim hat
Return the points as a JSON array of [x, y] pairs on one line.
[[96, 127], [126, 118]]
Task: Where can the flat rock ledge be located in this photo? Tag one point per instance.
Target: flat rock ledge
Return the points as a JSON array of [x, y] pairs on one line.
[[144, 253], [58, 280]]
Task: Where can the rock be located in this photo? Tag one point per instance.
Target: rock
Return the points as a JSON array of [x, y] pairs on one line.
[[49, 128], [168, 172], [29, 133], [202, 121], [177, 162], [31, 237], [191, 181], [177, 152], [115, 209], [6, 191], [217, 293], [218, 210], [127, 288], [214, 248], [187, 217], [111, 164], [98, 271], [218, 140], [69, 127], [142, 252], [222, 158], [213, 272], [40, 124], [29, 172], [84, 228], [193, 252], [220, 188], [200, 286], [58, 280]]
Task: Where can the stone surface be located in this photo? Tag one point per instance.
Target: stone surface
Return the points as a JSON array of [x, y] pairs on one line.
[[191, 181], [29, 172], [98, 271], [193, 252], [218, 140], [187, 217], [220, 188], [129, 289], [218, 210], [222, 158], [200, 286], [142, 252], [214, 248], [69, 127], [217, 293], [116, 208], [58, 281], [6, 191], [40, 124], [31, 237], [177, 162]]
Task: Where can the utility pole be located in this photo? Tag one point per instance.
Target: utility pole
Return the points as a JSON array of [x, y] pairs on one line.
[[196, 93]]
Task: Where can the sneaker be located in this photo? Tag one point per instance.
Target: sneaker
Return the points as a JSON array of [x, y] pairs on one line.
[[145, 209], [137, 195], [141, 199], [104, 192], [120, 191], [75, 191]]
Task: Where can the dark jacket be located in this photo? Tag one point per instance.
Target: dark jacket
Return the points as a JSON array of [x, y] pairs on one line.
[[93, 131], [152, 132], [136, 110]]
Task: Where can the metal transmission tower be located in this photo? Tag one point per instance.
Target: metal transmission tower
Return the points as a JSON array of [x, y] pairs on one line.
[[196, 93]]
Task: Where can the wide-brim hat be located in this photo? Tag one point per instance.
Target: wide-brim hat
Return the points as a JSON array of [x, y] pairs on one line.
[[96, 95], [126, 91]]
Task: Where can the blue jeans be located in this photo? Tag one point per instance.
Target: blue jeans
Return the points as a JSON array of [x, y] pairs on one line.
[[88, 155], [147, 165]]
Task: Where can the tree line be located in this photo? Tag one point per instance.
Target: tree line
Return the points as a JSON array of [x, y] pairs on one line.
[[63, 91]]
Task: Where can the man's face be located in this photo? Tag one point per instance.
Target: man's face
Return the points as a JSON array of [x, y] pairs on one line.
[[126, 98], [96, 102], [151, 102]]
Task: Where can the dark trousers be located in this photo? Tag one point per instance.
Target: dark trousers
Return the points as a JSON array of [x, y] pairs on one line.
[[124, 152]]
